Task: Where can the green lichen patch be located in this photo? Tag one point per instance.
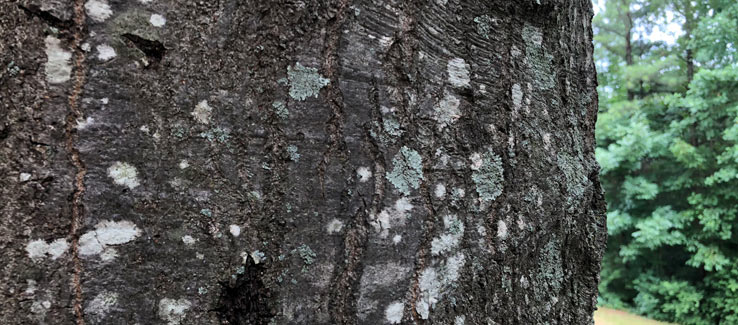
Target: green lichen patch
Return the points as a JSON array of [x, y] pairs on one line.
[[280, 109], [305, 81], [483, 25], [488, 176], [292, 152], [216, 134], [575, 179], [392, 126], [407, 171], [539, 61]]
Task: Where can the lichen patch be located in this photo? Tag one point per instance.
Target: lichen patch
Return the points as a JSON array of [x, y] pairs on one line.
[[202, 112], [58, 67], [450, 238], [39, 249], [447, 110], [393, 313], [334, 226], [107, 233], [98, 10], [305, 81], [458, 72], [488, 177], [100, 306], [173, 310], [157, 20], [235, 230], [105, 52], [407, 172], [364, 174], [124, 174]]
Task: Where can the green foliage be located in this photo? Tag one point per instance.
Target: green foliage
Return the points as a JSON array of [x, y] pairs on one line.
[[668, 147]]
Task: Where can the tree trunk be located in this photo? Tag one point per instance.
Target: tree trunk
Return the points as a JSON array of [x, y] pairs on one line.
[[298, 162]]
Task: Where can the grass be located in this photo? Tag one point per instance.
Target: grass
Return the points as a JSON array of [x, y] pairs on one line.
[[607, 316]]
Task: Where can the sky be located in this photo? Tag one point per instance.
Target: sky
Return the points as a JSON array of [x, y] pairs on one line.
[[666, 31]]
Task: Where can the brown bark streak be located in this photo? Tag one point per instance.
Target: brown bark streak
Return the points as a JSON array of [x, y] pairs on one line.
[[75, 113]]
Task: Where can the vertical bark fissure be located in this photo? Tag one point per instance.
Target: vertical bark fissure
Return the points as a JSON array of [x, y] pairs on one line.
[[334, 97], [79, 186]]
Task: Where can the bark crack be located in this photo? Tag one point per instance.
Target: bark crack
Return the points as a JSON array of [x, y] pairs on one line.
[[334, 97], [74, 114]]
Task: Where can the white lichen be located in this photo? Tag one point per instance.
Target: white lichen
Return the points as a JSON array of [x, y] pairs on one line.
[[108, 254], [459, 320], [394, 312], [501, 230], [392, 217], [364, 174], [202, 112], [84, 123], [58, 68], [447, 111], [334, 226], [188, 240], [235, 230], [173, 310], [124, 174], [99, 306], [24, 177], [183, 164], [39, 249], [107, 233], [396, 239], [450, 238], [440, 191], [98, 10], [458, 72], [105, 52], [517, 96], [430, 290], [157, 20]]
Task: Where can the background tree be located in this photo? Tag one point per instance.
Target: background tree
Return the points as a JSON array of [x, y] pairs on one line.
[[298, 162], [669, 169]]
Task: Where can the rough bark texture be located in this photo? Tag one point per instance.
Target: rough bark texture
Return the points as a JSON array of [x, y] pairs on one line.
[[298, 162]]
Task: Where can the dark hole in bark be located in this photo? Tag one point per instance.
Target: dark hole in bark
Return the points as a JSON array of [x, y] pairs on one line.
[[34, 10], [245, 300], [154, 50]]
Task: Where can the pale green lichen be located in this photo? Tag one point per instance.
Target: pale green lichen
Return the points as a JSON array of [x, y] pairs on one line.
[[280, 109], [407, 172], [550, 267], [206, 212], [483, 25], [488, 177], [216, 134], [292, 152], [392, 126], [305, 81], [574, 178], [539, 60], [307, 254]]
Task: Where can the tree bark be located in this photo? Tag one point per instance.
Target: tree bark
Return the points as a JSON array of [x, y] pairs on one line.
[[298, 162]]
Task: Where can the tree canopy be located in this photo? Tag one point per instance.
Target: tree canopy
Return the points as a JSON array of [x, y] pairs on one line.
[[667, 138]]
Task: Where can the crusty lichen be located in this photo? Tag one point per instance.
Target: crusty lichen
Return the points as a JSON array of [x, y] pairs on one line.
[[488, 176], [407, 172], [539, 61], [483, 25], [305, 81]]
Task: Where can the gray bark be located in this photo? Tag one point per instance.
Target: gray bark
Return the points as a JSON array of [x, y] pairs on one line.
[[298, 162]]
